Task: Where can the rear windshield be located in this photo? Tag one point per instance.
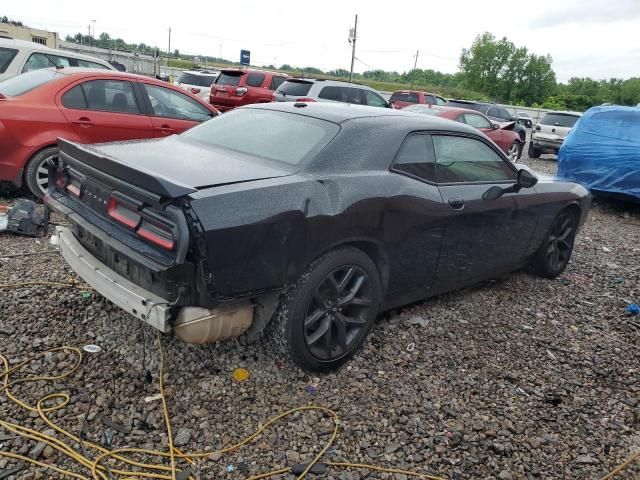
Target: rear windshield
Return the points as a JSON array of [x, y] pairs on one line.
[[197, 80], [404, 97], [559, 120], [14, 86], [285, 137], [229, 78], [6, 55], [294, 89]]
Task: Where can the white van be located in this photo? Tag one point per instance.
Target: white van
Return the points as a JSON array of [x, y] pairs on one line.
[[19, 56]]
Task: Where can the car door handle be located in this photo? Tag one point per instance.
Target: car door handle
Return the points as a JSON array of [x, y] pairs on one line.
[[84, 122], [456, 203], [164, 129]]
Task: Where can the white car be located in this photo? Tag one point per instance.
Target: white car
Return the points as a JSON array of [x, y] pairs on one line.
[[19, 56], [547, 136], [197, 82]]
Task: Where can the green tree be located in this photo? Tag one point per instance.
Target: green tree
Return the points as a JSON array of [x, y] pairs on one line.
[[505, 72]]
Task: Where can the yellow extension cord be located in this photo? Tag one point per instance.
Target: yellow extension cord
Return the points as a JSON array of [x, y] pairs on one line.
[[56, 401], [99, 472]]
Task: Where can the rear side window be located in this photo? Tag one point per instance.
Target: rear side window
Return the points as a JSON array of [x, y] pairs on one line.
[[39, 60], [26, 82], [229, 78], [464, 159], [558, 119], [110, 96], [276, 82], [74, 98], [295, 89], [6, 55], [255, 79], [341, 94], [416, 157], [440, 101], [410, 97]]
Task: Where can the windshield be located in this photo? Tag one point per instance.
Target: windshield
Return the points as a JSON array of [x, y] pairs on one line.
[[197, 80], [285, 137], [295, 89], [15, 86], [559, 119]]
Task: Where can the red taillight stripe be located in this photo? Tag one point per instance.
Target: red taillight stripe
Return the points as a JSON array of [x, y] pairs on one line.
[[73, 189], [165, 243], [123, 214]]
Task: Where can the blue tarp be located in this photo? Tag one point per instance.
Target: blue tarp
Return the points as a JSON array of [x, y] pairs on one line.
[[602, 151]]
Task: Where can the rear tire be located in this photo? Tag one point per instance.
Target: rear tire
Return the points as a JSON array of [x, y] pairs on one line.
[[554, 254], [325, 317], [533, 152], [36, 173]]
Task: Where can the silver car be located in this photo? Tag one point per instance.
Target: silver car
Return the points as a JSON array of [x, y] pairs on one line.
[[316, 90], [197, 82], [547, 136]]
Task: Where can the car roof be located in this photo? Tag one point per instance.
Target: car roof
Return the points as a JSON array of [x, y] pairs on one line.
[[337, 112], [326, 80], [249, 70], [207, 73], [564, 112], [417, 91], [443, 108], [9, 42], [37, 47]]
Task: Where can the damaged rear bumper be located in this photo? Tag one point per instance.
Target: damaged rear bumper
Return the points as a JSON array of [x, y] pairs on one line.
[[137, 301], [192, 324]]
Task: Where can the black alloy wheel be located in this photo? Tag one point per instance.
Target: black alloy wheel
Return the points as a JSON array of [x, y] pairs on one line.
[[554, 254], [324, 318], [337, 312]]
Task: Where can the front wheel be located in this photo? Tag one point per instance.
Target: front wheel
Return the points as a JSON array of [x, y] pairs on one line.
[[513, 152], [325, 317], [553, 256], [36, 174]]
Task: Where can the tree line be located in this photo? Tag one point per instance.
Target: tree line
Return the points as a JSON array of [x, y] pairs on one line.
[[490, 69]]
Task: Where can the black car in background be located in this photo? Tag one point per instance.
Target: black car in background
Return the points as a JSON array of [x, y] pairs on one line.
[[305, 218], [494, 112]]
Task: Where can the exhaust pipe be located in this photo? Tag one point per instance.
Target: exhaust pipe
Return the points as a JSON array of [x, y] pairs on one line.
[[203, 325]]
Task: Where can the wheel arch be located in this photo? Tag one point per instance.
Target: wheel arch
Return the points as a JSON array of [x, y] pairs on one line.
[[34, 154], [373, 249]]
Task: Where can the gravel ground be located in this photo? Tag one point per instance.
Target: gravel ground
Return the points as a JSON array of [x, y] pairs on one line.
[[518, 378]]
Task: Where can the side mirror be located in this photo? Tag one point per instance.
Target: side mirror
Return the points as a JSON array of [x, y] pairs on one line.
[[495, 126], [526, 179]]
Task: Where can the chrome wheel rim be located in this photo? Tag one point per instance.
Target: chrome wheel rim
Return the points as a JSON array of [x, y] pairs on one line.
[[338, 313], [42, 173], [513, 152], [560, 242]]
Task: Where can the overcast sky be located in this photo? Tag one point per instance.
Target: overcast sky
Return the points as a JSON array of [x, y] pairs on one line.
[[596, 38]]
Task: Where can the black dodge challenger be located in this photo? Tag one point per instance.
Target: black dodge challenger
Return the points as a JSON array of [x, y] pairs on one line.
[[304, 220]]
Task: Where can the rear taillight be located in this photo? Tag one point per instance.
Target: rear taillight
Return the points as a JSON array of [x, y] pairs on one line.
[[157, 234], [305, 99], [240, 91], [194, 90], [121, 212]]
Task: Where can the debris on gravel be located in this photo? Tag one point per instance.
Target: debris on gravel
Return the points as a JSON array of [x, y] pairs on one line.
[[517, 378]]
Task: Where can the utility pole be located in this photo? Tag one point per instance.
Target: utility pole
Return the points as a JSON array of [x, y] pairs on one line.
[[415, 66], [353, 34], [169, 47], [89, 33]]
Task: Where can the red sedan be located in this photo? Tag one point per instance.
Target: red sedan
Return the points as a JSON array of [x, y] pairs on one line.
[[501, 133], [85, 106]]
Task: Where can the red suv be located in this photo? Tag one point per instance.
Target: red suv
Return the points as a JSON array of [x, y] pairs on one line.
[[236, 87], [404, 98]]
